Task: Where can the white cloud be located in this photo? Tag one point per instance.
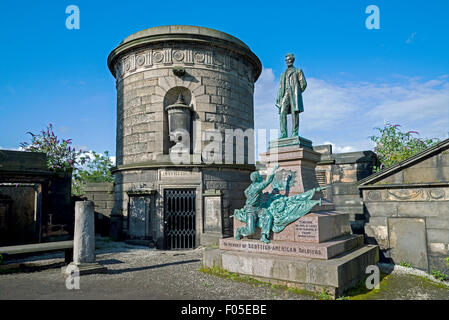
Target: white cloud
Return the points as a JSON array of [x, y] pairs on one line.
[[347, 112], [12, 148], [339, 149], [113, 159]]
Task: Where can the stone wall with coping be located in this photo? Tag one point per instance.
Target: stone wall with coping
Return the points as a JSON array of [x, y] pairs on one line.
[[408, 211], [103, 196]]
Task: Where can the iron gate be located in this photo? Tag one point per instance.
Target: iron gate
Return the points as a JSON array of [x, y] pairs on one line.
[[179, 218]]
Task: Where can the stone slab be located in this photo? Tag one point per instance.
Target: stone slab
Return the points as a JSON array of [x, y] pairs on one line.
[[407, 241], [291, 141], [37, 247], [326, 250], [335, 276]]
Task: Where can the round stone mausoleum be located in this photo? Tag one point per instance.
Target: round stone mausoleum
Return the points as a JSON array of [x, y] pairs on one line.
[[173, 79]]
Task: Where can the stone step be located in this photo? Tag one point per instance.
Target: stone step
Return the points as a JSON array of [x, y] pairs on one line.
[[335, 276], [325, 250]]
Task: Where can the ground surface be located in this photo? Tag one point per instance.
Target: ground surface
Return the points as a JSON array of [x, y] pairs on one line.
[[141, 273]]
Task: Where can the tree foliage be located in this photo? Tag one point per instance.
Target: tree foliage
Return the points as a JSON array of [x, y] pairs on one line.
[[61, 156], [393, 146], [97, 168]]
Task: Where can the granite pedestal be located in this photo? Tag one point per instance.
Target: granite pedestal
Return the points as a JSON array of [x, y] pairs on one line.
[[294, 156], [315, 252]]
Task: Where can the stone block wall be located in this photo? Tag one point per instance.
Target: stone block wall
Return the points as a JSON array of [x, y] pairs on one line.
[[341, 172], [228, 182], [102, 194], [408, 213], [232, 184]]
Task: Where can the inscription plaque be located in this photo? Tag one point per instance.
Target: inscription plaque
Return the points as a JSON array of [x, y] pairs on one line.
[[324, 250]]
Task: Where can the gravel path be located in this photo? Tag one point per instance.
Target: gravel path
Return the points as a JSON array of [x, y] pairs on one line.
[[136, 273], [141, 273]]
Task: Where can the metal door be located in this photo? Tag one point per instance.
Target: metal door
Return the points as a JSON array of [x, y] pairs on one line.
[[179, 218]]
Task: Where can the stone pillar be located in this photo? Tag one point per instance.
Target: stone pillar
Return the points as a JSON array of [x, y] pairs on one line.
[[84, 237], [84, 241]]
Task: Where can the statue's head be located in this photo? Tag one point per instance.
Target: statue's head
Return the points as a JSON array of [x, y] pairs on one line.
[[255, 177], [289, 59]]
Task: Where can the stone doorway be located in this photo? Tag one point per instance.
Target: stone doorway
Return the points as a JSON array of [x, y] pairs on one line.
[[179, 219]]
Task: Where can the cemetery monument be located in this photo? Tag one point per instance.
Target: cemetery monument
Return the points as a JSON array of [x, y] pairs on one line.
[[275, 236]]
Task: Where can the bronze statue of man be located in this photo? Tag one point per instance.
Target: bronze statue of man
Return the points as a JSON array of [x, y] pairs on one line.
[[289, 99]]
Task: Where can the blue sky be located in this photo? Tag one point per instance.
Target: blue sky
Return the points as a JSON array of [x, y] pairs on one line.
[[358, 78]]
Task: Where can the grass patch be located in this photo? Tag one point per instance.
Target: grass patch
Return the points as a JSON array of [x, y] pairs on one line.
[[215, 271], [323, 295], [431, 282], [437, 274], [360, 291], [405, 264]]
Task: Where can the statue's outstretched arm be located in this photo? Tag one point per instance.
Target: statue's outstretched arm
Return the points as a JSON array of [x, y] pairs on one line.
[[270, 178]]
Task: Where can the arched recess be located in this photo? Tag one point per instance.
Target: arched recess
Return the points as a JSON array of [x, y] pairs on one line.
[[170, 98]]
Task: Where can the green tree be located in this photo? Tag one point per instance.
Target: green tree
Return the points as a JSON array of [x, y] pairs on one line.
[[393, 146], [97, 168]]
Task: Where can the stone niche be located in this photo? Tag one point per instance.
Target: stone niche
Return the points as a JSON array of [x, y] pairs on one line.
[[215, 74]]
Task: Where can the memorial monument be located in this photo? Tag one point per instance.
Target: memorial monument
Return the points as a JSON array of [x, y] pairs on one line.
[[288, 234], [179, 88]]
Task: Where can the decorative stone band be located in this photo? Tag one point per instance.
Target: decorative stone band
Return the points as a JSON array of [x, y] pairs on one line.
[[124, 58], [406, 194], [325, 250]]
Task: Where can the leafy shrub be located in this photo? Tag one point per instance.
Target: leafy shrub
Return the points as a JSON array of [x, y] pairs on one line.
[[394, 146], [439, 275], [61, 156]]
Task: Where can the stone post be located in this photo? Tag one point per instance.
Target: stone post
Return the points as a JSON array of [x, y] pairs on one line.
[[84, 236], [84, 241]]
